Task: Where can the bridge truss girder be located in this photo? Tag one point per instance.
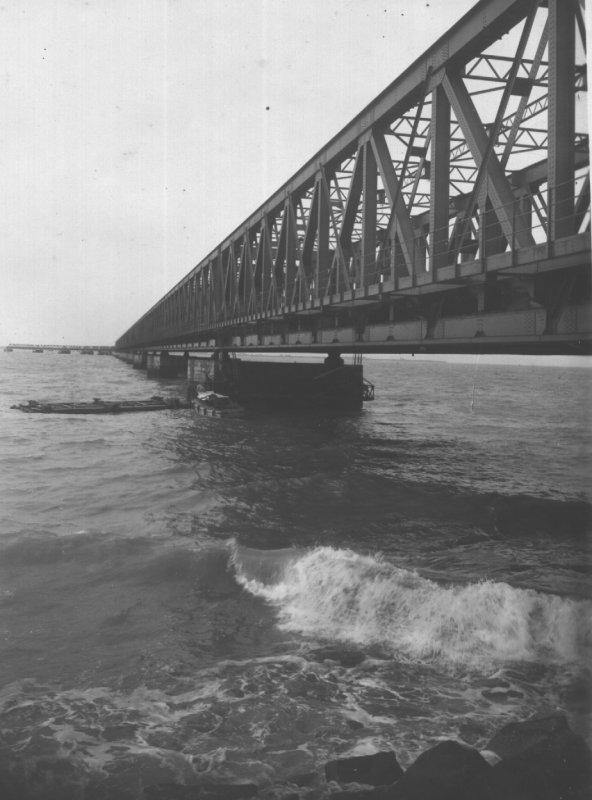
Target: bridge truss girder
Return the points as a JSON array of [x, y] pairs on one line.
[[461, 191]]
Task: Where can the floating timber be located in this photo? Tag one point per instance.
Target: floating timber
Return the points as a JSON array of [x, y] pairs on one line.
[[98, 406]]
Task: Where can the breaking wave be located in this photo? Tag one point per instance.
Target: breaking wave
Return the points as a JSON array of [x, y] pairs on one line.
[[342, 595]]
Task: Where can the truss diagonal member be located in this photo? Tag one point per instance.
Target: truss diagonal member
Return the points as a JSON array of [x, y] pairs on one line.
[[353, 200], [416, 177], [239, 303], [533, 109], [269, 285], [211, 302], [248, 266], [295, 272], [416, 120], [514, 225], [290, 274], [580, 10], [495, 129], [223, 289], [263, 262], [233, 306], [583, 203], [339, 259], [400, 220], [311, 228], [280, 256], [369, 218], [518, 116], [216, 289]]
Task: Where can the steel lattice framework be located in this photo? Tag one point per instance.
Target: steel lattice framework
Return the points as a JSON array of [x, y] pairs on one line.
[[453, 212]]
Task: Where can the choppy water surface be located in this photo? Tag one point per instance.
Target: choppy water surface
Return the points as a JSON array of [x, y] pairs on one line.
[[198, 600]]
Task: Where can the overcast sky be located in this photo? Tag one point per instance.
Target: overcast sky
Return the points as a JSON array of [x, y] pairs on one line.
[[136, 134]]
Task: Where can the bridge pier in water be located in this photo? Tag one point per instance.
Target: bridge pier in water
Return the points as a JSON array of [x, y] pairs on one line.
[[139, 360], [280, 384], [166, 365], [327, 383]]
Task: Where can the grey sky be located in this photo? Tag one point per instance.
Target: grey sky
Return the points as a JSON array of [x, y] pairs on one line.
[[137, 134]]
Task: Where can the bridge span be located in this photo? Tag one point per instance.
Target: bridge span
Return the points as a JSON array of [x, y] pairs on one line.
[[452, 214], [84, 349]]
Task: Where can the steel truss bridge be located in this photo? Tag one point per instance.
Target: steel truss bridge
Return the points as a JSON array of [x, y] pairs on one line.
[[57, 347], [452, 214]]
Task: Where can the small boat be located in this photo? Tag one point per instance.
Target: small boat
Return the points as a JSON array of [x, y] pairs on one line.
[[8, 349], [99, 406], [64, 350], [211, 404]]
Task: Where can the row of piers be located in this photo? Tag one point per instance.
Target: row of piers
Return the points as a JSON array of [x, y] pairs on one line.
[[324, 383]]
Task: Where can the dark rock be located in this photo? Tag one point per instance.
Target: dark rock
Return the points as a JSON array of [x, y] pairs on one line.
[[542, 759], [354, 724], [54, 779], [449, 771], [378, 769], [577, 695], [305, 779], [471, 732], [115, 733], [525, 778], [127, 773], [538, 733]]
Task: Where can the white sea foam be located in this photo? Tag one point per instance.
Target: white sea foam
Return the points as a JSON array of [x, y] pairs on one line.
[[342, 595]]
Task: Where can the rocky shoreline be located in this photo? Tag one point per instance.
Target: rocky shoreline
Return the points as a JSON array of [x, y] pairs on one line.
[[539, 759]]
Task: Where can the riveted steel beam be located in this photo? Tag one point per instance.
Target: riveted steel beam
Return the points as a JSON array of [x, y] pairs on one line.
[[561, 117]]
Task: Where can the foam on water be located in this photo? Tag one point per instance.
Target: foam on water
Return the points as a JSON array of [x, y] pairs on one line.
[[343, 595]]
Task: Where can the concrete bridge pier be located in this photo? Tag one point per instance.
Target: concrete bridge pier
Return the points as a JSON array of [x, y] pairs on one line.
[[167, 365], [140, 360], [281, 384]]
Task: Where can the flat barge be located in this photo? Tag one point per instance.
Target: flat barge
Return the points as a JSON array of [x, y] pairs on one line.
[[98, 406]]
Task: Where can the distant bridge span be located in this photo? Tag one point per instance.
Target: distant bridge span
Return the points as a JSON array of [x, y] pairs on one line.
[[452, 214], [81, 348]]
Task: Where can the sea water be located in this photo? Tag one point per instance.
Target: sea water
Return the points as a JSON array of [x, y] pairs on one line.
[[201, 600]]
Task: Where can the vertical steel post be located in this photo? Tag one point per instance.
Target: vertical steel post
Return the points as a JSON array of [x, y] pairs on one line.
[[322, 260], [561, 118], [439, 180], [368, 213]]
